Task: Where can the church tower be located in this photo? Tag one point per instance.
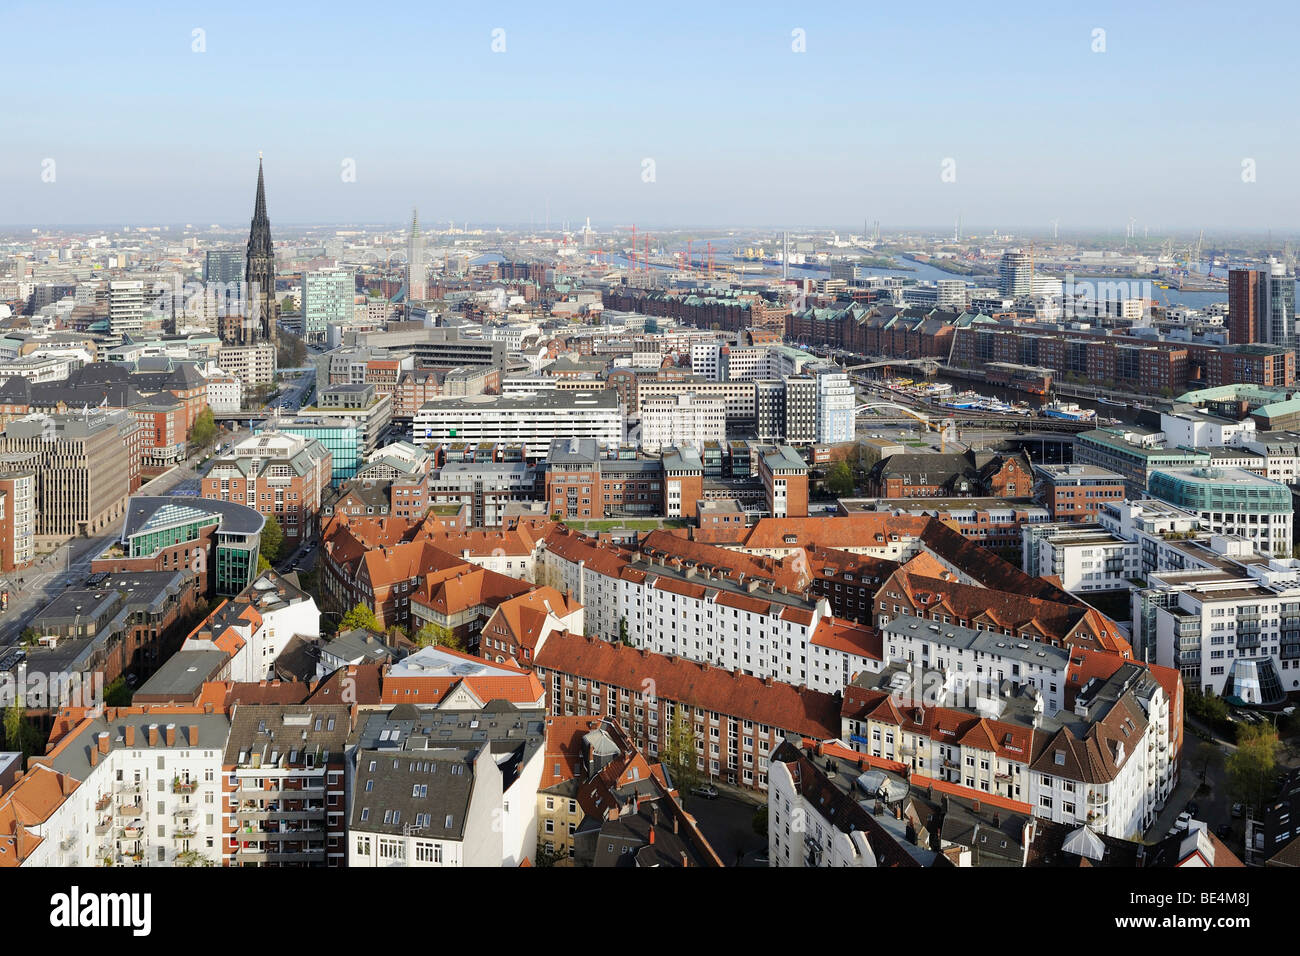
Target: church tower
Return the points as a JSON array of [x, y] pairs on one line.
[[259, 274]]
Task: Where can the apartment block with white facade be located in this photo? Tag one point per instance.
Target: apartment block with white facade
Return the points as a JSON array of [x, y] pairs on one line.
[[1232, 628], [680, 420], [446, 787], [148, 790], [531, 419], [1083, 557]]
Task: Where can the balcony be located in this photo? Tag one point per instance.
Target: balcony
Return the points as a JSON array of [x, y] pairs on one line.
[[130, 811], [131, 833], [184, 786], [68, 842], [103, 826], [103, 802], [185, 833]]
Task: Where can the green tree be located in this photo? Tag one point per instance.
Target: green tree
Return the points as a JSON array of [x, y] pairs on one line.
[[760, 821], [359, 617], [1208, 755], [30, 636], [839, 479], [545, 857], [272, 539], [262, 563], [1253, 763], [678, 753], [204, 431], [117, 694], [622, 630], [192, 858], [438, 634], [21, 734]]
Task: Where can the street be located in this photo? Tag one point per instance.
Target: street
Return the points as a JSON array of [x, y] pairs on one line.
[[728, 823], [31, 589]]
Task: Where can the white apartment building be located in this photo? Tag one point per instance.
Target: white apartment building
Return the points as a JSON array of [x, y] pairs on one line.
[[426, 808], [1232, 629], [1107, 762], [975, 655], [225, 393], [530, 419], [1084, 557], [1231, 501], [449, 788], [836, 405], [684, 419], [149, 790], [800, 834], [125, 307], [753, 627], [251, 364], [1199, 429], [739, 396], [254, 627], [38, 369]]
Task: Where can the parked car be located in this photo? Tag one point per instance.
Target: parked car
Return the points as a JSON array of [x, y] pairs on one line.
[[761, 857], [708, 791], [1191, 807], [1236, 809], [1183, 822], [1223, 831]]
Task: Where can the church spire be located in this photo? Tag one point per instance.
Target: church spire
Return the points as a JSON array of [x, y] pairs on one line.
[[259, 272]]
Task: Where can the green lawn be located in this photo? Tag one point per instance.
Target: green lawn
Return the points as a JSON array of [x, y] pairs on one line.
[[632, 524]]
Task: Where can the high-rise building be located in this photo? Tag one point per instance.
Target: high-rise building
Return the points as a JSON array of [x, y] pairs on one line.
[[260, 310], [225, 266], [125, 307], [836, 404], [1014, 274], [1261, 305], [327, 296], [1279, 306], [417, 264]]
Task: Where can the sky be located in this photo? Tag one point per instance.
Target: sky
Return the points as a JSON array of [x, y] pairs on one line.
[[794, 115]]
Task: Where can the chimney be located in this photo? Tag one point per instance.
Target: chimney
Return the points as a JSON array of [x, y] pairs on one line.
[[194, 735], [171, 735], [997, 819], [153, 735], [94, 757], [130, 735], [652, 836], [674, 823], [686, 860], [976, 806], [102, 741]]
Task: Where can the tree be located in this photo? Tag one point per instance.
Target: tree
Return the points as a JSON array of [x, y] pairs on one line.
[[262, 564], [359, 617], [622, 630], [839, 479], [678, 753], [30, 636], [545, 857], [438, 634], [21, 734], [204, 431], [192, 858], [272, 539], [117, 694], [760, 821], [1208, 755], [1252, 765]]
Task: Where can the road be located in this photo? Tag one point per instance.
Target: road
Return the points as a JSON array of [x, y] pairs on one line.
[[728, 824], [31, 589]]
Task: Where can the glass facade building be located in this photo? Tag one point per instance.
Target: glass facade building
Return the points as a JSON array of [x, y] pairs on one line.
[[342, 439]]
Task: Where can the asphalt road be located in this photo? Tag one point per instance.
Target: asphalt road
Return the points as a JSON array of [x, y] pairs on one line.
[[728, 824], [31, 589]]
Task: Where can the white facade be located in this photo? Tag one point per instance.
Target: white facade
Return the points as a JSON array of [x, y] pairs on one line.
[[225, 394], [686, 419], [1084, 558], [1197, 430], [795, 826], [530, 419], [150, 791]]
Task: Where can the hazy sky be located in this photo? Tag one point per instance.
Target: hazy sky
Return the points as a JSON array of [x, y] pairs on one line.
[[741, 129]]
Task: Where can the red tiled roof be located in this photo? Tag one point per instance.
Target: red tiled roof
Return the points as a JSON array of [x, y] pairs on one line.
[[808, 712]]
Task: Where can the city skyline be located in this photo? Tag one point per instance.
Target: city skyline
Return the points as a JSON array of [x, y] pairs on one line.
[[803, 119]]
